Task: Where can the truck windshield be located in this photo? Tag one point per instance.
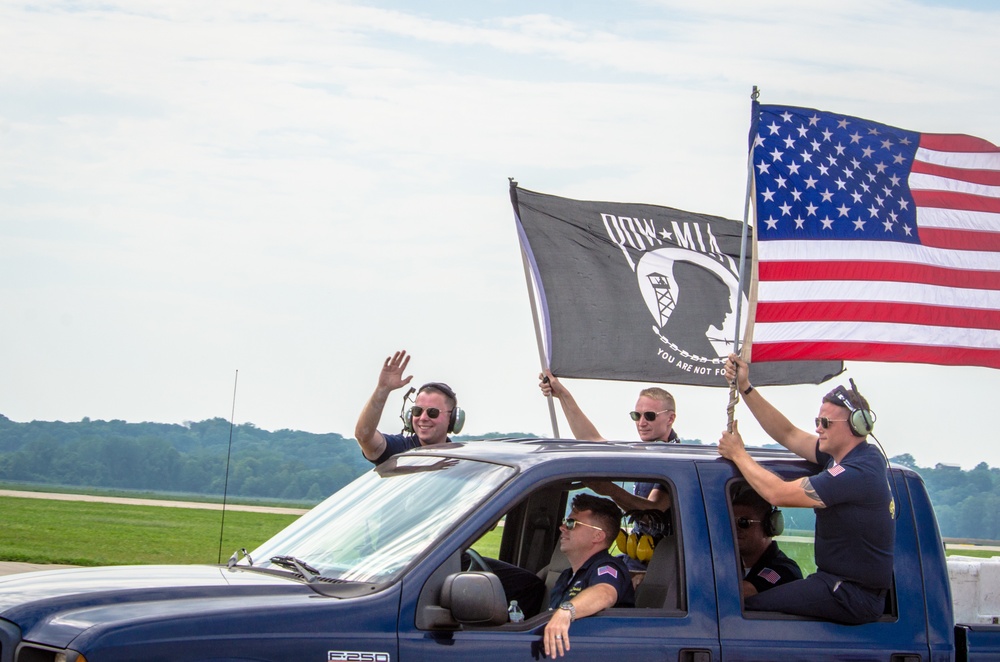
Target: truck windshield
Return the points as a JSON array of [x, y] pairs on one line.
[[371, 529]]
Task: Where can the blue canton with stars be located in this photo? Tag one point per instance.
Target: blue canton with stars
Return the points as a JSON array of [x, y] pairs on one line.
[[825, 176]]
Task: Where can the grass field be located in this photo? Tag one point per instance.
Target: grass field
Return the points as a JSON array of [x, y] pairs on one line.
[[87, 533]]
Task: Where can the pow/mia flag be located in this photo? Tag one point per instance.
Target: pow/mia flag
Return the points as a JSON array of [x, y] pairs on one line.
[[640, 292]]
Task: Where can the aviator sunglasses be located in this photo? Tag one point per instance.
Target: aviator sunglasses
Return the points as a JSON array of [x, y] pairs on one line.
[[824, 422], [648, 415], [571, 523], [432, 412], [745, 522]]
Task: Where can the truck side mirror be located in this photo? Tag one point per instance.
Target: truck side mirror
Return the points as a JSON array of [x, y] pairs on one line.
[[475, 598]]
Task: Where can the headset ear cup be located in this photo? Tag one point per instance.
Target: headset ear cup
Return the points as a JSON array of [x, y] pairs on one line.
[[861, 423], [774, 525], [621, 542], [644, 548], [457, 421], [631, 545], [408, 421]]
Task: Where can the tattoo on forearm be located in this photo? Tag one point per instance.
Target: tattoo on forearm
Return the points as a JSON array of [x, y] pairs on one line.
[[810, 491]]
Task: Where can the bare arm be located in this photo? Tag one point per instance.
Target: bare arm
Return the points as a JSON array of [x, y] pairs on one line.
[[797, 493], [658, 499], [775, 424], [391, 378], [589, 601], [579, 424]]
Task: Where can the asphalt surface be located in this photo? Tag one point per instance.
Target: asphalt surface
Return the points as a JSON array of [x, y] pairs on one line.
[[11, 567]]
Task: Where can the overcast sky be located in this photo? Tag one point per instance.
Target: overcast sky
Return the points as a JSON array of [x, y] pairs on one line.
[[294, 190]]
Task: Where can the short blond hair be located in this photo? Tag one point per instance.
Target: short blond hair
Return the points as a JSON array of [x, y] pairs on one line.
[[660, 394]]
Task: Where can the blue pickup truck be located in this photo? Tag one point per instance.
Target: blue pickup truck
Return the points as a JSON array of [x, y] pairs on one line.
[[402, 564]]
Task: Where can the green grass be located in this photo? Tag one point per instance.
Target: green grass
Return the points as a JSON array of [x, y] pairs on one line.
[[92, 534]]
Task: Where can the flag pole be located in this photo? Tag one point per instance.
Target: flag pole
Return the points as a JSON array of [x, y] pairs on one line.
[[734, 396], [534, 309]]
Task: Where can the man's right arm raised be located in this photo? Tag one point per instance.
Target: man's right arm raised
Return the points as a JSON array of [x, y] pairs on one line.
[[390, 378], [579, 424]]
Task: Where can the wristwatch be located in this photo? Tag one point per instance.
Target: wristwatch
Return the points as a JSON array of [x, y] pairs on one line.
[[568, 606]]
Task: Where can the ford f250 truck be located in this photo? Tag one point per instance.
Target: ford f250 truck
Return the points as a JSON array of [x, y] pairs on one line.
[[395, 566]]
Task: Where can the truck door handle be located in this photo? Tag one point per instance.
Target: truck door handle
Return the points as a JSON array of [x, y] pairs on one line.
[[692, 655], [905, 657]]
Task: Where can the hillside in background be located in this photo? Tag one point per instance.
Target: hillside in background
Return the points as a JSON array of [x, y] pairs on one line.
[[305, 467]]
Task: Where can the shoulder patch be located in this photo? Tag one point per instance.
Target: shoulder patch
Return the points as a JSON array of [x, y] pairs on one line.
[[835, 470], [607, 570], [769, 575]]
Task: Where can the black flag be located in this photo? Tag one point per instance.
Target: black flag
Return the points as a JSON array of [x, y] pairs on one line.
[[640, 292]]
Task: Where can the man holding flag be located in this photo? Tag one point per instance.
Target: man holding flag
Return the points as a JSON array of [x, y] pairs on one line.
[[855, 511]]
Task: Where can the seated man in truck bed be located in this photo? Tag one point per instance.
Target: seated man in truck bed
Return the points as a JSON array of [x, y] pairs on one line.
[[764, 565]]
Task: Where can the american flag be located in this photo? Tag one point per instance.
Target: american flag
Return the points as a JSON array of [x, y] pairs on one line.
[[874, 243], [769, 575]]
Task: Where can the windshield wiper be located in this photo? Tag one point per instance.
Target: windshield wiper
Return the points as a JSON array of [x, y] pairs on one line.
[[308, 572]]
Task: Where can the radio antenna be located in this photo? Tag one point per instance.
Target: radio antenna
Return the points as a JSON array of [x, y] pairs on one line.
[[229, 454]]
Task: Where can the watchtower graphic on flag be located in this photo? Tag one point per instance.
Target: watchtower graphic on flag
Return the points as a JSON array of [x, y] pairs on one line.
[[664, 299]]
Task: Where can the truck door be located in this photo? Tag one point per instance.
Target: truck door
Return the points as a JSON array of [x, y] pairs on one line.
[[766, 636], [675, 619]]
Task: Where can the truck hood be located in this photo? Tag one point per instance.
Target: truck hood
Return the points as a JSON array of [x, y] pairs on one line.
[[55, 606]]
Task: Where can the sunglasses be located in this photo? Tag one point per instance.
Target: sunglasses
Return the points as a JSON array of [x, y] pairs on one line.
[[648, 415], [432, 412], [571, 523], [745, 522], [824, 422]]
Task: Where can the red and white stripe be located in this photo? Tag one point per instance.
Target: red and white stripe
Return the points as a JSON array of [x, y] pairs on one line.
[[937, 302]]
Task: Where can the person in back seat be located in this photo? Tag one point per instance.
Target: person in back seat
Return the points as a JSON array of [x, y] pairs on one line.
[[595, 580], [764, 565]]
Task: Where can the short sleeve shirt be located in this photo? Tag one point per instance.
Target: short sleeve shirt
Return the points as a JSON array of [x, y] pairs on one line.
[[601, 568], [773, 568], [396, 444], [856, 532]]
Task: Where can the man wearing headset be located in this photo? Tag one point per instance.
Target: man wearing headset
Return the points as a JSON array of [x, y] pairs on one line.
[[654, 415], [434, 414], [855, 512], [764, 565]]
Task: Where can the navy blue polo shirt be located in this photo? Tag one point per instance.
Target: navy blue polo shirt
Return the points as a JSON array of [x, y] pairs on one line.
[[772, 568], [396, 444], [601, 568], [856, 532]]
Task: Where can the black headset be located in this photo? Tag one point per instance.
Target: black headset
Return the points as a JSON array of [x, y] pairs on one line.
[[774, 523], [456, 420], [861, 421]]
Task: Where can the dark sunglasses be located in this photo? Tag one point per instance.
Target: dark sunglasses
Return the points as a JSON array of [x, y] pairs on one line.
[[571, 523], [648, 415], [824, 422], [432, 412], [744, 522]]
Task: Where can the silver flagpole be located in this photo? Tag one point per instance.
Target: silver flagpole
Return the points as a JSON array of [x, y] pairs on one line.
[[534, 311], [734, 396]]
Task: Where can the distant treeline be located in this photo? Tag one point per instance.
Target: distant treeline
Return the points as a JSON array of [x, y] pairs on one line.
[[300, 466]]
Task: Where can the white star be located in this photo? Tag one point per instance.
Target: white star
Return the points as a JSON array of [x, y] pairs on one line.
[[894, 180], [904, 141], [898, 158], [806, 157], [827, 223], [803, 131], [827, 134], [859, 224], [780, 181], [843, 209], [823, 170], [797, 194], [873, 210], [855, 138], [888, 226], [771, 222], [787, 116], [880, 167], [774, 128], [793, 168], [827, 196], [831, 159], [873, 131], [815, 145], [848, 173], [840, 149], [880, 200], [666, 236], [758, 141], [855, 163], [886, 143], [903, 204], [842, 124], [841, 184], [789, 142], [811, 209], [763, 167], [907, 230], [776, 155], [786, 209], [813, 120], [867, 152], [799, 221], [768, 195], [856, 196], [811, 181]]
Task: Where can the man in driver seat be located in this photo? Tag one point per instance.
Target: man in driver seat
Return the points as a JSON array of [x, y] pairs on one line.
[[595, 580]]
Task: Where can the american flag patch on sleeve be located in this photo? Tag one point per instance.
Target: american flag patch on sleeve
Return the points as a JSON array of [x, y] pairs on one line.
[[769, 575], [836, 470], [607, 570]]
